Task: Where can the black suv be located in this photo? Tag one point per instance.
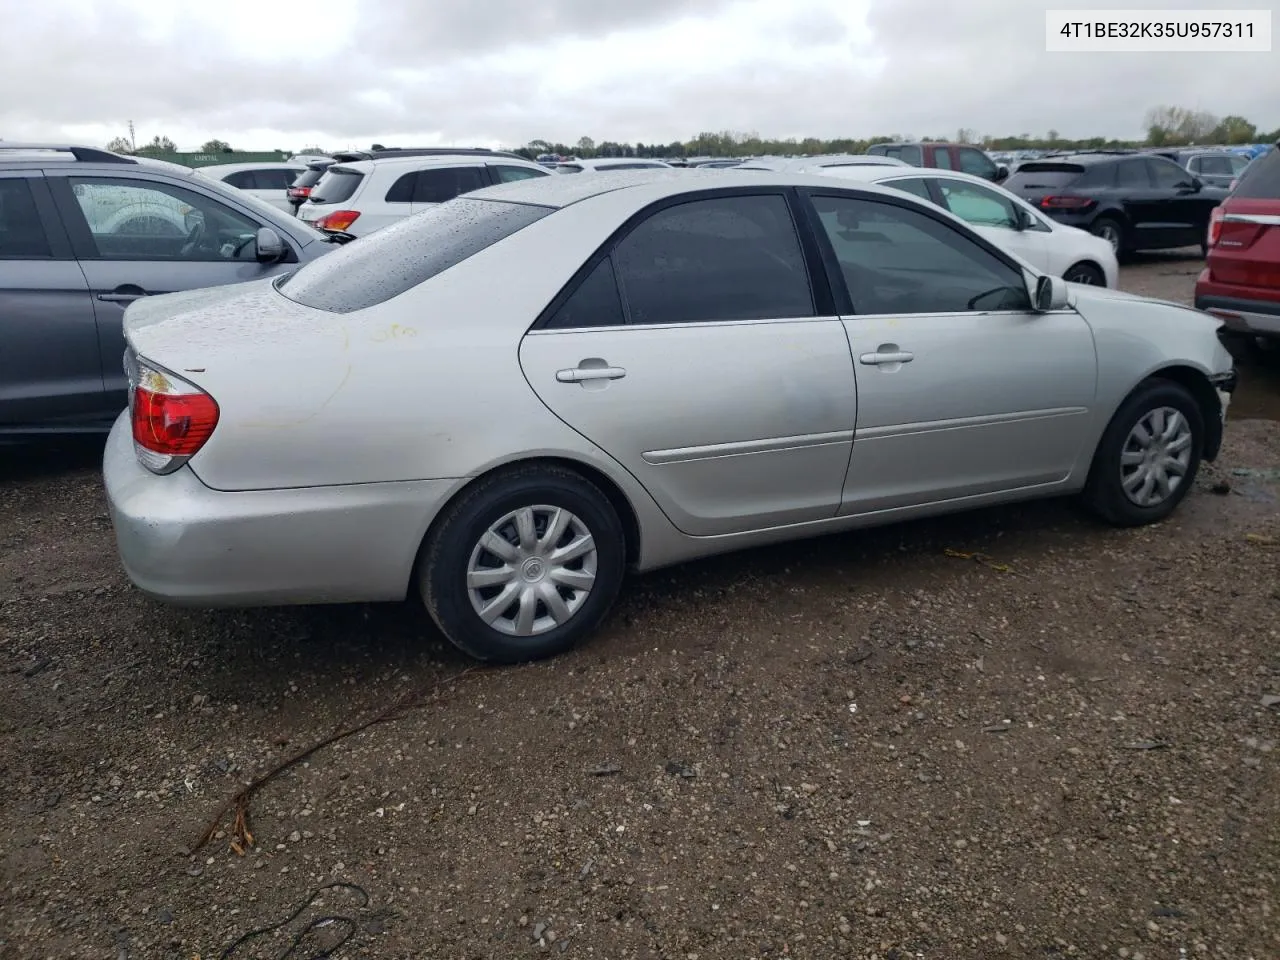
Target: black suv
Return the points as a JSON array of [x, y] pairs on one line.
[[1134, 200]]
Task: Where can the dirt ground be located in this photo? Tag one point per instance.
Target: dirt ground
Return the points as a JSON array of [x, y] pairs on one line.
[[1013, 733]]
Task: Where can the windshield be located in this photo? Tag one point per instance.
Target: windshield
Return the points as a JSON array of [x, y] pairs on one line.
[[394, 259]]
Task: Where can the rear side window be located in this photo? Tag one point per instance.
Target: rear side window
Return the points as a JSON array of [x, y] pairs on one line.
[[1261, 179], [338, 184], [509, 174], [442, 184], [402, 190], [390, 261], [1044, 176], [21, 232], [596, 302], [272, 179], [1097, 177], [241, 179], [727, 258]]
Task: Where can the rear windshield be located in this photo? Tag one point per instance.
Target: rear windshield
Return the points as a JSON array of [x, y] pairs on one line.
[[336, 185], [1037, 174], [1261, 179], [308, 178], [390, 261]]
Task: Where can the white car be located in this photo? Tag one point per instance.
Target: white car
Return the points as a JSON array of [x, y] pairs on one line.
[[1054, 248], [505, 402], [609, 164], [360, 196], [266, 181], [818, 164]]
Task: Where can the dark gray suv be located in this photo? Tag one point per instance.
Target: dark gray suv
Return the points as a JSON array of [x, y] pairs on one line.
[[84, 233]]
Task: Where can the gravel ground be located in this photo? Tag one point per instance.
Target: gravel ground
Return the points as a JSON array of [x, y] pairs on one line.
[[1013, 733]]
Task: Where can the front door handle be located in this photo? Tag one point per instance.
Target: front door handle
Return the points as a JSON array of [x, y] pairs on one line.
[[125, 293], [583, 374], [887, 356]]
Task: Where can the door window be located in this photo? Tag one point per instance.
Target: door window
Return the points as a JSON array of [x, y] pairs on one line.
[[942, 158], [977, 163], [273, 179], [402, 190], [241, 180], [1132, 175], [143, 220], [595, 303], [917, 185], [895, 260], [1166, 174], [22, 234], [442, 184], [506, 174], [978, 205], [727, 258]]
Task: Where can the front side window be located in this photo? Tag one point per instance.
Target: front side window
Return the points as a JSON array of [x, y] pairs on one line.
[[901, 261], [390, 261], [507, 174], [22, 235], [976, 163], [978, 205], [442, 184], [144, 220], [725, 258], [1167, 175]]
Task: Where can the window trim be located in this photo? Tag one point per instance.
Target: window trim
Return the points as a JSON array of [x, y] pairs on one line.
[[55, 230], [81, 237], [816, 270], [843, 299]]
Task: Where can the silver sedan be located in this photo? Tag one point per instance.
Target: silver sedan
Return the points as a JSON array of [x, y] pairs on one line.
[[506, 402]]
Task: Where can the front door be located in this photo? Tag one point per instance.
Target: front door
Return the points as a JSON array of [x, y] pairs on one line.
[[717, 385], [962, 389], [50, 372], [138, 238]]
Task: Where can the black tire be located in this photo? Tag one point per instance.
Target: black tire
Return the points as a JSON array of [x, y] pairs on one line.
[[443, 571], [1104, 491], [1111, 229], [1085, 272]]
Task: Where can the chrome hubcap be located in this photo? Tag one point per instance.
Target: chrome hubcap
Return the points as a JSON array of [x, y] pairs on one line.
[[1080, 276], [532, 570], [1110, 234], [1156, 457]]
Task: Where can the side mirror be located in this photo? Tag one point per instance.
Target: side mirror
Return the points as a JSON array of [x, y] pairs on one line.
[[270, 248], [1021, 219], [1051, 294], [1002, 173]]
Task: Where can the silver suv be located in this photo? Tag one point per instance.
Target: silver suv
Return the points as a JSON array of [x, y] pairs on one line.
[[84, 233]]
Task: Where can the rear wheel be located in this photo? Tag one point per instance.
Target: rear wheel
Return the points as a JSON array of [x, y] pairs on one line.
[[1086, 273], [1148, 457], [1110, 230], [524, 565]]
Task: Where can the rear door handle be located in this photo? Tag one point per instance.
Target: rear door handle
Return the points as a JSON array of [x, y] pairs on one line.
[[583, 374], [125, 293], [897, 356]]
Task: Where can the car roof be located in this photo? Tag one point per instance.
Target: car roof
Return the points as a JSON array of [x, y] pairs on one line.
[[559, 192], [421, 161], [869, 173], [612, 161], [266, 165]]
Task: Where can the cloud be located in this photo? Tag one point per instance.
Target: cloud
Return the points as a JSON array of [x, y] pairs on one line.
[[346, 72]]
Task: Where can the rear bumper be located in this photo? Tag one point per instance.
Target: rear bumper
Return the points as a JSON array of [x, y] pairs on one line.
[[185, 543], [1241, 314]]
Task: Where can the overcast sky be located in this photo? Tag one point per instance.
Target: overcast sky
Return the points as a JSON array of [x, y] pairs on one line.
[[266, 75]]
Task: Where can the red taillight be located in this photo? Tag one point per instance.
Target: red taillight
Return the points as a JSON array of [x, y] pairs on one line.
[[340, 220], [171, 418], [299, 191], [1066, 203], [1215, 226]]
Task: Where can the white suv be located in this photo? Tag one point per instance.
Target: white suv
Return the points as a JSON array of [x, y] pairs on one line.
[[361, 196]]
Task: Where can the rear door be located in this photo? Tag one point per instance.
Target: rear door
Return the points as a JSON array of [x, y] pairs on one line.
[[50, 366], [1146, 207], [1247, 253], [724, 384], [140, 236]]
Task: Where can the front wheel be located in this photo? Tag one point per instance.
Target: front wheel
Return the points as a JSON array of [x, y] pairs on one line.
[[1148, 457], [524, 565]]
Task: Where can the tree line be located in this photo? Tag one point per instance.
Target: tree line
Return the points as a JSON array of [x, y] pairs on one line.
[[1166, 126]]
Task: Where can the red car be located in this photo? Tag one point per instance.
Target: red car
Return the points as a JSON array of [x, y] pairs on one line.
[[1241, 279], [943, 156]]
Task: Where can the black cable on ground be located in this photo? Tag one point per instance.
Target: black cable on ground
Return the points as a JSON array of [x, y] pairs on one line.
[[289, 954]]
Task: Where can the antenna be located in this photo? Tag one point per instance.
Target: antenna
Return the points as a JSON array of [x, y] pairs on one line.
[[133, 141]]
